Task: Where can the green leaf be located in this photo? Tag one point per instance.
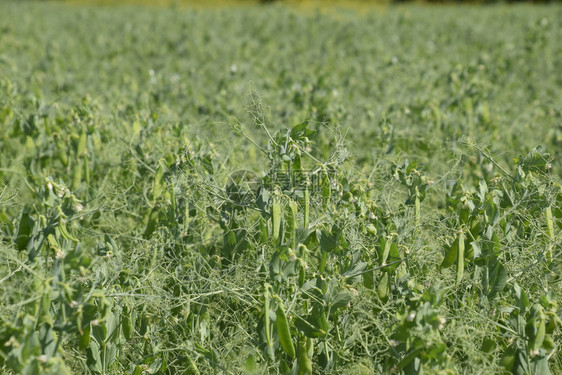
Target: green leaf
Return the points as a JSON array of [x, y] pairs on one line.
[[301, 130], [30, 348], [522, 299], [110, 354], [450, 254], [476, 250], [47, 339], [539, 365], [498, 279], [93, 358], [32, 368], [327, 241], [368, 279], [409, 358], [340, 301], [508, 357], [383, 287], [25, 229], [250, 365], [309, 329]]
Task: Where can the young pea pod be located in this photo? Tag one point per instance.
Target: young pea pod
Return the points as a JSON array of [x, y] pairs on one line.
[[53, 243], [304, 362], [550, 222], [62, 153], [85, 337], [158, 185], [302, 273], [382, 287], [325, 189], [536, 327], [417, 208], [550, 227], [306, 208], [86, 166], [193, 366], [263, 230], [77, 176], [386, 250], [266, 323], [81, 148], [276, 219], [539, 338], [64, 232], [303, 258], [284, 331], [293, 223], [152, 222], [460, 258]]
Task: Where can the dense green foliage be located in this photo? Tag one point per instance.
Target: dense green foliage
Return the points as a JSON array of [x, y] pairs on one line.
[[397, 206]]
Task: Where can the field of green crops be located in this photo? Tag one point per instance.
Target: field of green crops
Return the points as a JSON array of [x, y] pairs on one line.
[[263, 190]]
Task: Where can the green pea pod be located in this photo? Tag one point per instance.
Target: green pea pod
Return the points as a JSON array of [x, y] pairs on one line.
[[266, 324], [85, 337], [550, 222], [276, 219], [382, 288], [508, 357], [152, 222], [302, 274], [548, 343], [306, 208], [537, 343], [64, 232], [460, 258], [77, 177], [326, 189], [193, 366], [417, 208], [158, 185], [284, 331], [293, 223], [111, 241], [263, 230], [82, 144], [62, 153], [386, 250], [143, 326], [550, 227], [451, 253], [310, 347], [304, 362], [53, 243], [46, 300], [86, 166]]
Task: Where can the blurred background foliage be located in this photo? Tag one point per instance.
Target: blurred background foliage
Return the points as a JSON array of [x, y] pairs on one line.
[[354, 4]]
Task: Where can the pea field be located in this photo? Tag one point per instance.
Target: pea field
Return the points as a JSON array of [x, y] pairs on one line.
[[271, 189]]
